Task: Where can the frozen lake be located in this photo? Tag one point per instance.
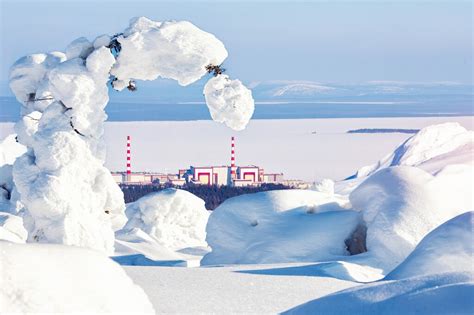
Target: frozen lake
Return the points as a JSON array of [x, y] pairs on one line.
[[305, 149]]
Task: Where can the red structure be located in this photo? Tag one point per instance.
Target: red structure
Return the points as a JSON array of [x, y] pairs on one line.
[[232, 160], [129, 164]]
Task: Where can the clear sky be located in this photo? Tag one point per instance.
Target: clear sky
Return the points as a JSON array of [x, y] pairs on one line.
[[323, 41]]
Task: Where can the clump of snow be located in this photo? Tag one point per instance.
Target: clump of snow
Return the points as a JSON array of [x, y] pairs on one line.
[[448, 248], [102, 40], [59, 279], [279, 226], [175, 218], [448, 142], [443, 293], [175, 50], [10, 149], [326, 185], [79, 48], [11, 228], [400, 205], [229, 102]]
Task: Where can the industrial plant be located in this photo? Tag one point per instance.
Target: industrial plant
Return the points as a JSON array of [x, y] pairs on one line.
[[221, 175]]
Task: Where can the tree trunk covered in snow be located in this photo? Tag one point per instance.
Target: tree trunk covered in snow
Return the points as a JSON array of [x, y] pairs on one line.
[[63, 186]]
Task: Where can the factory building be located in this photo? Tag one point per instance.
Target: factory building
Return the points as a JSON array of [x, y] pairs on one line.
[[232, 175]]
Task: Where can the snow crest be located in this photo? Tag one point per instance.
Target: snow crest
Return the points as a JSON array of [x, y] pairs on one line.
[[431, 148]]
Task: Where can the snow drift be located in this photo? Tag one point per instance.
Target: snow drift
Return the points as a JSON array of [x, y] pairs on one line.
[[400, 205], [448, 248], [175, 218], [279, 226], [437, 278], [64, 279], [68, 196], [445, 293], [431, 149]]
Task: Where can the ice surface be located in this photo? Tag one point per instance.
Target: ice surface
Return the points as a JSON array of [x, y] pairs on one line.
[[175, 218], [229, 102], [448, 248], [45, 278], [279, 226]]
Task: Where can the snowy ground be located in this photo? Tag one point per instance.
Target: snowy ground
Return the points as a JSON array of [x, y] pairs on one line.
[[256, 289], [287, 146]]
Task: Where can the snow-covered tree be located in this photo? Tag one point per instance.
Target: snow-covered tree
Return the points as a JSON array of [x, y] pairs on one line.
[[68, 196]]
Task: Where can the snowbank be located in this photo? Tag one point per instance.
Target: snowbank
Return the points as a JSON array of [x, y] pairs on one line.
[[432, 148], [229, 102], [64, 279], [400, 205], [445, 293], [175, 218], [448, 248], [279, 226]]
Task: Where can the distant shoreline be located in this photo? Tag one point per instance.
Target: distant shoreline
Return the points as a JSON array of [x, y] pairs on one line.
[[383, 130]]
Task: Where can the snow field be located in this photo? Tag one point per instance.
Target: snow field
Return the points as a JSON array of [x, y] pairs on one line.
[[65, 279]]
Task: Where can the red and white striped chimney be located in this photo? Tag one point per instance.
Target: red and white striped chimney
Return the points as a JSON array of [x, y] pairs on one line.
[[129, 163], [232, 160]]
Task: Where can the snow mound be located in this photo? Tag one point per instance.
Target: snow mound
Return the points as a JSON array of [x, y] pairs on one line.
[[400, 205], [175, 50], [10, 150], [448, 248], [229, 102], [175, 218], [279, 226], [445, 293], [63, 279], [432, 148], [11, 228]]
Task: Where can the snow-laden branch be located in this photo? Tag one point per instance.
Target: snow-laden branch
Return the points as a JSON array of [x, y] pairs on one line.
[[68, 196]]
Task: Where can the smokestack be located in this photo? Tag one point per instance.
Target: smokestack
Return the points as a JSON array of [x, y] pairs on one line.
[[232, 160], [129, 164]]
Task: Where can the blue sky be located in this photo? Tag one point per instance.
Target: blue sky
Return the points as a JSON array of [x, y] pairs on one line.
[[321, 41]]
